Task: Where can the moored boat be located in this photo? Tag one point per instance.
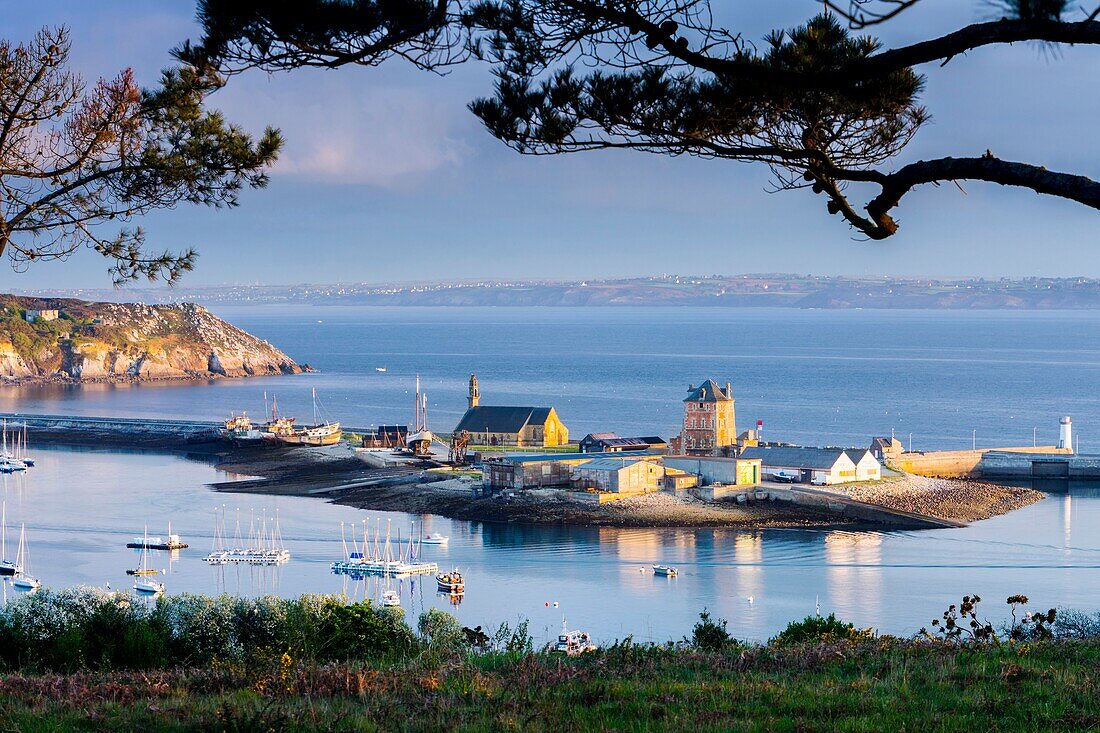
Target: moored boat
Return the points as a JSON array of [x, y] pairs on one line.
[[22, 579], [146, 585], [158, 543], [150, 587], [451, 582], [391, 599], [665, 570], [573, 642], [436, 539], [7, 567]]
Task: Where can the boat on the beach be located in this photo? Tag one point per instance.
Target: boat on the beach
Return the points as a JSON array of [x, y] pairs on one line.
[[665, 570], [391, 599], [240, 429], [419, 441], [7, 567], [573, 642], [321, 433], [451, 582], [435, 539], [22, 579]]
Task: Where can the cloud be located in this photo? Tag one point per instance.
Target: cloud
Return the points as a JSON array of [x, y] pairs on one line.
[[341, 128]]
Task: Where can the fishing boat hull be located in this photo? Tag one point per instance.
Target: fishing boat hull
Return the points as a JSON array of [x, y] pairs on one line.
[[25, 583], [665, 571], [314, 435]]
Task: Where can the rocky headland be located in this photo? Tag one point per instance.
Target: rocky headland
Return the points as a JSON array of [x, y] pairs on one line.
[[69, 340]]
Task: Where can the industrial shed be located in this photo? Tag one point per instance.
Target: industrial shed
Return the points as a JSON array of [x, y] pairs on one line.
[[540, 470], [619, 475]]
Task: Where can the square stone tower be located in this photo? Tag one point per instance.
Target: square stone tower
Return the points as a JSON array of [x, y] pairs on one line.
[[710, 423]]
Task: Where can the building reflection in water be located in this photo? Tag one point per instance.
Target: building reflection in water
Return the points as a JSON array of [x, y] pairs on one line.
[[1067, 520], [748, 575], [853, 575]]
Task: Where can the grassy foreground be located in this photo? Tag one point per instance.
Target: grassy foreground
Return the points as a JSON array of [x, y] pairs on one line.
[[84, 660], [865, 686]]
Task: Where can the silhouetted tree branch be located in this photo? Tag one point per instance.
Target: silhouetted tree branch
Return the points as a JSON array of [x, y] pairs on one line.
[[823, 107], [74, 158]]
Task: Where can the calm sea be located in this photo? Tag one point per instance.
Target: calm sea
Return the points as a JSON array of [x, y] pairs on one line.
[[820, 377]]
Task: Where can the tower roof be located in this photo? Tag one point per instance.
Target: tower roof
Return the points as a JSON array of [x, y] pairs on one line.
[[708, 391]]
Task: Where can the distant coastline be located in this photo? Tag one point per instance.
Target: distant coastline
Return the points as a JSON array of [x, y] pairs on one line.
[[732, 291]]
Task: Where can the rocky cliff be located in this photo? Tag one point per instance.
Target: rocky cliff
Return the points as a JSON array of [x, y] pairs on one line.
[[86, 341]]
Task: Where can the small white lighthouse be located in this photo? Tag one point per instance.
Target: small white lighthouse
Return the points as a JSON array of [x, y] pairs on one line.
[[1065, 433]]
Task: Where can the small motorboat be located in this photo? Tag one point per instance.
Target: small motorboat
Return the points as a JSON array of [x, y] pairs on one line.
[[7, 567], [573, 642], [391, 599], [435, 539], [151, 587], [380, 369], [451, 582], [666, 571]]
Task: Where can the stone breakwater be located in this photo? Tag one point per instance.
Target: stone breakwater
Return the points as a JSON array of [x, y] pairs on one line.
[[954, 499]]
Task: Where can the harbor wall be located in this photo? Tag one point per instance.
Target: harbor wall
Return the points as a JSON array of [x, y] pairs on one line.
[[1016, 465], [958, 463]]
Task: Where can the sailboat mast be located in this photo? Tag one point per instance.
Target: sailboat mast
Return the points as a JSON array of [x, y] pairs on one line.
[[4, 534]]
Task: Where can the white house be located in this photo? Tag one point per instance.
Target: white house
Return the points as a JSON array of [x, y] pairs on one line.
[[819, 466], [867, 466]]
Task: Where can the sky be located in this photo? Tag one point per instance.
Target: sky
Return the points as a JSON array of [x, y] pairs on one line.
[[387, 177]]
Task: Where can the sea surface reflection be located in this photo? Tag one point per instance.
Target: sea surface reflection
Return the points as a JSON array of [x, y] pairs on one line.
[[82, 506]]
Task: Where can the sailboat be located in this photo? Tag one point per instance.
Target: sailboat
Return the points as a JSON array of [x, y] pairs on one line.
[[420, 440], [22, 580], [143, 584], [321, 432], [7, 567], [27, 461], [8, 462], [144, 569]]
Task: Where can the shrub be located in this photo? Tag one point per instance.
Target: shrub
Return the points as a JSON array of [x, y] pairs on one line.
[[818, 629], [442, 631], [710, 635], [359, 631]]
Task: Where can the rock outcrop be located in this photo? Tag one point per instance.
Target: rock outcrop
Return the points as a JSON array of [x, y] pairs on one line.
[[127, 342]]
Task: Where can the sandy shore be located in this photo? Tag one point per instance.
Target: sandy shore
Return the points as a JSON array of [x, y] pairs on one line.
[[960, 500]]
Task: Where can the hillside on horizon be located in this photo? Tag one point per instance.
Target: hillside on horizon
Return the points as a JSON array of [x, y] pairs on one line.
[[735, 291]]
